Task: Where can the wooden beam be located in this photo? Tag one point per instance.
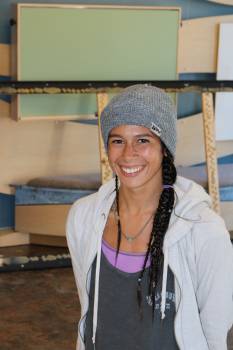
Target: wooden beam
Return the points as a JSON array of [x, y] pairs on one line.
[[106, 171], [210, 149], [103, 87]]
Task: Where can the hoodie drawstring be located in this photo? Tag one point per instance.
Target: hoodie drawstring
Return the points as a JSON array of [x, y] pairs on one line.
[[96, 295], [164, 285]]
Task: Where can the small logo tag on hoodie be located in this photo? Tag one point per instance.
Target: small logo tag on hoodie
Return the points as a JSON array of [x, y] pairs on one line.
[[155, 129], [170, 298]]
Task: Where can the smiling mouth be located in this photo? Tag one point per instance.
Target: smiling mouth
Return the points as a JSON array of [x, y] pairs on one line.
[[131, 170]]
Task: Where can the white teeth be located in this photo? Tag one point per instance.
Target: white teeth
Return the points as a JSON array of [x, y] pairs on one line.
[[131, 170]]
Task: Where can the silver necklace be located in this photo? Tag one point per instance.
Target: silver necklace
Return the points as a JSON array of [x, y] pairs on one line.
[[127, 236]]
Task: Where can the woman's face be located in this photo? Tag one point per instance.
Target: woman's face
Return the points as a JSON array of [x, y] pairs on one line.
[[135, 155]]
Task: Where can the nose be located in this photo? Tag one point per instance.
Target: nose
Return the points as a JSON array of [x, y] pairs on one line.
[[129, 150]]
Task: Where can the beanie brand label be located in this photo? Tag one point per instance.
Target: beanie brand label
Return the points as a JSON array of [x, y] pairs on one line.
[[155, 129]]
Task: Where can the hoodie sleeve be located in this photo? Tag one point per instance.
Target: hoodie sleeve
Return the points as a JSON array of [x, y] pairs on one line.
[[215, 284]]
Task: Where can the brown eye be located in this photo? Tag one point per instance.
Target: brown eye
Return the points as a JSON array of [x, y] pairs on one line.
[[116, 141], [142, 140]]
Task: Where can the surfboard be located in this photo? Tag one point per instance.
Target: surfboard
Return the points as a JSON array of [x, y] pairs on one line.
[[223, 2], [189, 150], [43, 148], [198, 44]]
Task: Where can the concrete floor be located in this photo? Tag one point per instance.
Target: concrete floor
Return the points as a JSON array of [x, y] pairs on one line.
[[39, 310]]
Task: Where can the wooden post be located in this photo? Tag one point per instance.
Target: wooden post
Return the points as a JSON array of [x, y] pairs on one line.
[[106, 171], [210, 149]]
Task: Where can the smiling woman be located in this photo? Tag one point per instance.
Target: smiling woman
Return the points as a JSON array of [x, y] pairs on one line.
[[147, 246], [135, 155]]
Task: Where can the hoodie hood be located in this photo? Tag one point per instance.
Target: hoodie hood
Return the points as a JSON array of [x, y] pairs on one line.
[[190, 200]]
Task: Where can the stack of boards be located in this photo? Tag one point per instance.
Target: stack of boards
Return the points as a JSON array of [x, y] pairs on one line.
[[51, 147]]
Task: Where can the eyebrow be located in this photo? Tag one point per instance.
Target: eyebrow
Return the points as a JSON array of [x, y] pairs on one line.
[[140, 135]]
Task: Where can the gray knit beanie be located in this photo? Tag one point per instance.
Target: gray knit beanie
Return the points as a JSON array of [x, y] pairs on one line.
[[142, 105]]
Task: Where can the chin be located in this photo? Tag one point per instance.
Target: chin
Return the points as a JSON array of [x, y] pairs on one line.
[[131, 182]]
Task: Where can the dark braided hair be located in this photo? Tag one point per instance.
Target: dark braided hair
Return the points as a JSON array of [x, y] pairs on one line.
[[160, 226], [118, 217]]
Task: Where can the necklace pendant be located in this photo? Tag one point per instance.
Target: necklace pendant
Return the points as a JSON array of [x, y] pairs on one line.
[[129, 238]]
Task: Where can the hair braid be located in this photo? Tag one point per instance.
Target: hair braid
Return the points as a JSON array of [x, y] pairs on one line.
[[160, 226], [118, 221]]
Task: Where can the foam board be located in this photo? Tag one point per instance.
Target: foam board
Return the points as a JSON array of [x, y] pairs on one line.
[[224, 100]]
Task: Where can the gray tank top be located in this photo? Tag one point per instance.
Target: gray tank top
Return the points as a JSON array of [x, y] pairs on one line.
[[120, 326]]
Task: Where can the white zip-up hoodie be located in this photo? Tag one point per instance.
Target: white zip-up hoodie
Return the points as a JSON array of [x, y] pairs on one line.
[[197, 248]]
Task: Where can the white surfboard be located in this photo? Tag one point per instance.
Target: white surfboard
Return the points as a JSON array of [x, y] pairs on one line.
[[224, 100], [223, 2]]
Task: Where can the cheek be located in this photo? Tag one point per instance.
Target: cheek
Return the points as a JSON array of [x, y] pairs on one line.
[[113, 155], [113, 164], [153, 154], [156, 162]]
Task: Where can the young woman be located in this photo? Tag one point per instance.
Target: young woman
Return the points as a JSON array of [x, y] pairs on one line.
[[152, 262]]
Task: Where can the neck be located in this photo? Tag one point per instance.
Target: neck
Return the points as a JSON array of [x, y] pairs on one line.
[[139, 200]]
